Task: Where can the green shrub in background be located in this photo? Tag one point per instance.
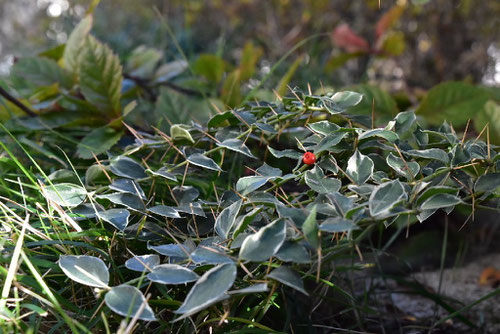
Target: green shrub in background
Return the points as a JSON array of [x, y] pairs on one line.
[[219, 221]]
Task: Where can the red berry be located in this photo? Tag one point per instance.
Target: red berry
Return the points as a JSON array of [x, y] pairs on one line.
[[309, 158]]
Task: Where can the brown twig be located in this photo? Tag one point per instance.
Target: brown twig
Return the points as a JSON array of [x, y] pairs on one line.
[[16, 102]]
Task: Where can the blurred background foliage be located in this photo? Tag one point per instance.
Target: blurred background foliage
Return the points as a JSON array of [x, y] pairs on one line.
[[208, 55], [423, 42]]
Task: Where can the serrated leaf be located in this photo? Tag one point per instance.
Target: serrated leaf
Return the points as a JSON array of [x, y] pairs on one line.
[[143, 262], [317, 181], [87, 270], [172, 274], [209, 289], [100, 77], [203, 161], [116, 217], [262, 245], [98, 141], [359, 168], [127, 300], [74, 44], [288, 277], [42, 72], [237, 145], [385, 197], [454, 101], [226, 219], [127, 167], [439, 201], [66, 194]]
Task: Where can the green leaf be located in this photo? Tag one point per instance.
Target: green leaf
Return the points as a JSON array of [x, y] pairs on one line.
[[385, 196], [431, 153], [172, 274], [128, 200], [127, 186], [226, 219], [488, 183], [310, 229], [340, 101], [87, 270], [100, 77], [174, 250], [178, 108], [242, 222], [289, 153], [126, 167], [203, 161], [323, 127], [143, 262], [439, 201], [427, 193], [317, 181], [453, 101], [338, 225], [404, 121], [374, 99], [262, 245], [288, 277], [390, 136], [116, 217], [329, 141], [98, 141], [209, 289], [238, 146], [74, 45], [163, 172], [490, 115], [210, 66], [165, 211], [211, 254], [261, 287], [42, 72], [359, 168], [293, 252], [399, 166], [127, 300], [142, 61], [178, 131], [66, 194], [170, 70], [247, 184]]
